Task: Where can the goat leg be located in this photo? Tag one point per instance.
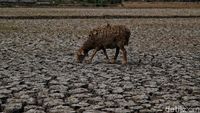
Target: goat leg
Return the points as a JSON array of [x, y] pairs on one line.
[[105, 53], [116, 55], [90, 60], [124, 60]]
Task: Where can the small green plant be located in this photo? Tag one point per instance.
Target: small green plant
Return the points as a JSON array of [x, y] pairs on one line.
[[56, 1], [101, 2], [97, 2]]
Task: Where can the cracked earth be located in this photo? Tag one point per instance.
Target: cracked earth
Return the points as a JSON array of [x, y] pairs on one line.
[[38, 72]]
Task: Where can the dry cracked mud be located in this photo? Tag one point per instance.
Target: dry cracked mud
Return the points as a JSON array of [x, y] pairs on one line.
[[38, 72]]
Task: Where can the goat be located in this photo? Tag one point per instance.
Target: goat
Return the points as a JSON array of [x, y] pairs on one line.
[[101, 38]]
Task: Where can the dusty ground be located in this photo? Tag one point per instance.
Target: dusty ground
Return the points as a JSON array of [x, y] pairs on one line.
[[96, 12], [38, 73]]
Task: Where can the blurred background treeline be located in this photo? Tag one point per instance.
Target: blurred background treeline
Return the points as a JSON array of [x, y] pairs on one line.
[[82, 2]]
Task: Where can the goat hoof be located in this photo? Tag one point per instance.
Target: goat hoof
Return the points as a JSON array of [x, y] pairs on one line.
[[88, 61], [124, 62], [112, 61], [107, 61]]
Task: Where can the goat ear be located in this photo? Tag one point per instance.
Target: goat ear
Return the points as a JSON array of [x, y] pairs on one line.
[[81, 52]]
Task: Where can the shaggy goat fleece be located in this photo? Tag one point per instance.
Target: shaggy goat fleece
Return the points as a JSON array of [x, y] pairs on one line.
[[101, 38]]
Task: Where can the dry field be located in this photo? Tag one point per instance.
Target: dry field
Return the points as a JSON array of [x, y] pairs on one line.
[[38, 73], [163, 5], [5, 12]]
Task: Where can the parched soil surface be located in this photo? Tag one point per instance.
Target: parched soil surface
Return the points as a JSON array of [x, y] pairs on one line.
[[38, 72], [13, 12]]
